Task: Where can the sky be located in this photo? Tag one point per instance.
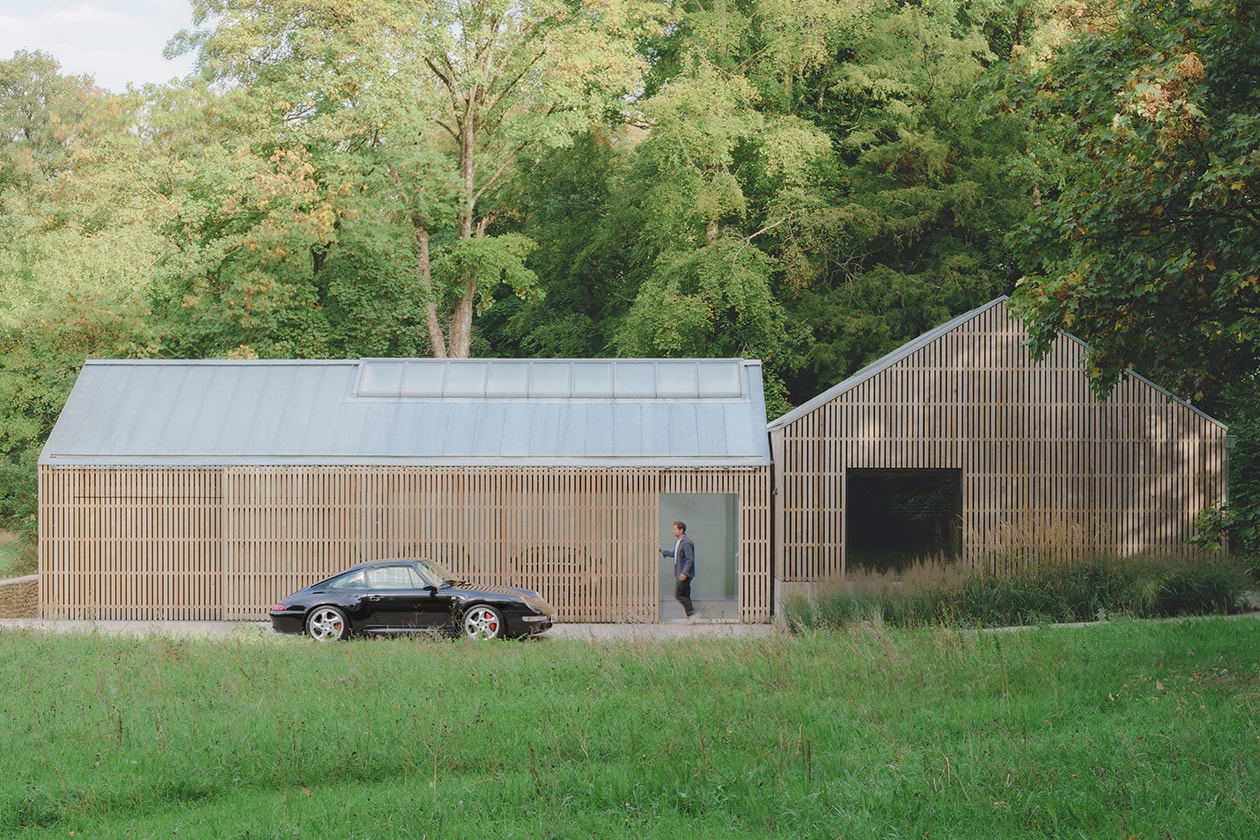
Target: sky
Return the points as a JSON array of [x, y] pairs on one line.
[[114, 41]]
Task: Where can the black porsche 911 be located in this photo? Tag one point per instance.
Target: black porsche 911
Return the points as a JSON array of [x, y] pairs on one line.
[[409, 596]]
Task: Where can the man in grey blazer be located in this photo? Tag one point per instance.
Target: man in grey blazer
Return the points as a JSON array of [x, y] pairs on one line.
[[684, 554]]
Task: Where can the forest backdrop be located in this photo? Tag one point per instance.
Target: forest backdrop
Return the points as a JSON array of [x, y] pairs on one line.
[[811, 183]]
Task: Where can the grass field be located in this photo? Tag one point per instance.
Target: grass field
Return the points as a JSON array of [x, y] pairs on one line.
[[1125, 729]]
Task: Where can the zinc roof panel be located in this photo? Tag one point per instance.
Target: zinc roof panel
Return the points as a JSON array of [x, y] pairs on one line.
[[332, 385], [627, 430], [239, 412], [489, 429], [572, 427], [285, 411], [656, 437], [301, 410], [376, 433], [213, 387], [711, 432], [600, 433], [116, 436], [544, 427], [683, 429], [146, 434], [517, 420], [272, 415], [460, 428], [352, 419]]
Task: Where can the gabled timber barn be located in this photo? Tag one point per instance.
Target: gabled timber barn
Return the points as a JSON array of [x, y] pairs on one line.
[[959, 443], [208, 489]]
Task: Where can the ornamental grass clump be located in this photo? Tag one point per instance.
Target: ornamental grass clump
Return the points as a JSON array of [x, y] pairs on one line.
[[937, 592]]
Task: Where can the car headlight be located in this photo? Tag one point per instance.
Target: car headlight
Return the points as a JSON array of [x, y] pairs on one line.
[[537, 604]]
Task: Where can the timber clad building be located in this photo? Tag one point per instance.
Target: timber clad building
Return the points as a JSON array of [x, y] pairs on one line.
[[208, 489], [961, 444]]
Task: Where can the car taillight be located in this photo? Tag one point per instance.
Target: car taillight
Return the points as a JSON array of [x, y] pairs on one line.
[[278, 608]]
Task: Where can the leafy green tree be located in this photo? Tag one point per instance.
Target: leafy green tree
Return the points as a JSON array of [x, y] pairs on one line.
[[70, 217], [710, 290], [1146, 239], [570, 202], [923, 192], [41, 114], [413, 114]]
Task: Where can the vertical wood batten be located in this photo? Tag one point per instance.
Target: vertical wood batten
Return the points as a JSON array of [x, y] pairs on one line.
[[1047, 470], [226, 543]]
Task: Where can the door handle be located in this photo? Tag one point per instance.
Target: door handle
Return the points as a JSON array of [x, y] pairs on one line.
[[374, 597]]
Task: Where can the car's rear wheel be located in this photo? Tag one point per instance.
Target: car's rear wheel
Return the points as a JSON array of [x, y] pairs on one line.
[[327, 624], [483, 622]]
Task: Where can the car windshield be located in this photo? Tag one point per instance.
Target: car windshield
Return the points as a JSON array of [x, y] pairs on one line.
[[441, 576]]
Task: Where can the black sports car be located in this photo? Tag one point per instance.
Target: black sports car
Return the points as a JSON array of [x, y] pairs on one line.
[[408, 596]]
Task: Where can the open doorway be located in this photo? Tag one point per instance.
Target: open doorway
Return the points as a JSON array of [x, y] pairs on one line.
[[896, 517], [713, 524]]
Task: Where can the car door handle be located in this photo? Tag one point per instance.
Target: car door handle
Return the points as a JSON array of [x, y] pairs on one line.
[[374, 597]]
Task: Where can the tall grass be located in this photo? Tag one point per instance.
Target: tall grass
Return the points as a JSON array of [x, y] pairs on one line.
[[935, 592], [17, 557], [1125, 729]]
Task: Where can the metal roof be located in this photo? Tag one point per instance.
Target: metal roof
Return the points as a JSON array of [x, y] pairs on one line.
[[493, 412]]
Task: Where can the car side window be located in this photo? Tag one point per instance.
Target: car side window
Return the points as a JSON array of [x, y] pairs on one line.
[[352, 581], [394, 577]]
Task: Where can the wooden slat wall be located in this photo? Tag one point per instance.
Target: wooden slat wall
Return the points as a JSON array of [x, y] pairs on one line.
[[225, 544], [129, 544], [1047, 470]]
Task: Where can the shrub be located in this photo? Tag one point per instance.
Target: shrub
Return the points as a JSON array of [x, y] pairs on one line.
[[938, 593]]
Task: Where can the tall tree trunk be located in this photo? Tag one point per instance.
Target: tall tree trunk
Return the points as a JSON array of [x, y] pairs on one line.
[[425, 265], [459, 333]]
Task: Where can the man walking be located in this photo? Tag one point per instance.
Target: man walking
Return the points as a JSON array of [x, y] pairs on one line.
[[684, 554]]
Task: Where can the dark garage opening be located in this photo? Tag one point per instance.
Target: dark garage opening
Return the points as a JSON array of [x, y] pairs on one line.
[[898, 517]]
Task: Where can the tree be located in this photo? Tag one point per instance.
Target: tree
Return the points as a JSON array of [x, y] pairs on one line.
[[70, 222], [414, 113], [909, 224], [710, 288], [1146, 239], [41, 114]]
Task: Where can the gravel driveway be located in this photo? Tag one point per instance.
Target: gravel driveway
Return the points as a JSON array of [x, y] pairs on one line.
[[262, 630]]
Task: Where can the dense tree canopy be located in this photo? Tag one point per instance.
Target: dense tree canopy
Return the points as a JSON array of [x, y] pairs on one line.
[[398, 121], [1146, 238]]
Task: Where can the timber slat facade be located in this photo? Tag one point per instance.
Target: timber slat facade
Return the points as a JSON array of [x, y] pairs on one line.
[[1046, 469], [224, 544]]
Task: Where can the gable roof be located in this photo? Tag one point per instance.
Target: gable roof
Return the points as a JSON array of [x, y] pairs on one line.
[[883, 363], [565, 412]]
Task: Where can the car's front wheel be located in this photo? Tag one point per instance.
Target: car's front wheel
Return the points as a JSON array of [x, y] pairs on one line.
[[327, 624], [483, 622]]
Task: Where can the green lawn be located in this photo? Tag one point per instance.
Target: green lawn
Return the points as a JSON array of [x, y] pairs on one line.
[[1126, 729]]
